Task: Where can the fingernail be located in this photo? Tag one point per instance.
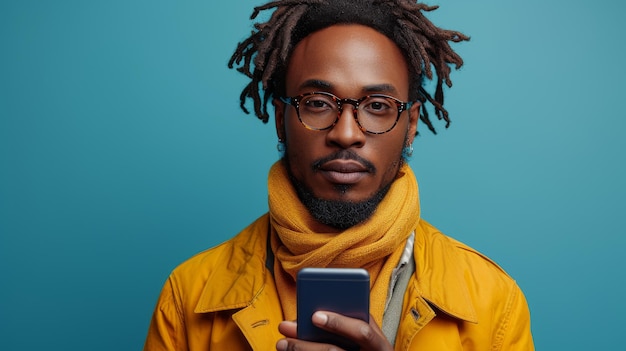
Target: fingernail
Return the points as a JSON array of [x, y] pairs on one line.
[[281, 345], [320, 318]]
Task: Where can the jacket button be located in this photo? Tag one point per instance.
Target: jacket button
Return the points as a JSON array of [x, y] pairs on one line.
[[415, 314]]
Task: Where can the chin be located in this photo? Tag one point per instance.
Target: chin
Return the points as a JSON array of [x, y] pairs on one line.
[[340, 211]]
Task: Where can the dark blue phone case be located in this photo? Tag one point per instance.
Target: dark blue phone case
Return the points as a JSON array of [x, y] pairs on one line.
[[340, 290]]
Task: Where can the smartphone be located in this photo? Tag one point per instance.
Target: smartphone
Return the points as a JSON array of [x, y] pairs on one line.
[[342, 290]]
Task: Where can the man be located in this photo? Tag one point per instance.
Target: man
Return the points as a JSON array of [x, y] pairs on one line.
[[345, 79]]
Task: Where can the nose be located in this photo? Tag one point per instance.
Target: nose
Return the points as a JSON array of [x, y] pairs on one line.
[[346, 133]]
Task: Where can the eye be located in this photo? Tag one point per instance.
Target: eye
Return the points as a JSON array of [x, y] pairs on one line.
[[314, 103], [318, 104], [378, 106]]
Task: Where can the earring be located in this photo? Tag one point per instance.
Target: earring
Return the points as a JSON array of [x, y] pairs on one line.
[[281, 148], [407, 151]]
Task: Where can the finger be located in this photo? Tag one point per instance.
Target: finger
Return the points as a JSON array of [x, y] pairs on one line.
[[289, 344], [288, 329], [367, 335], [337, 323], [375, 326]]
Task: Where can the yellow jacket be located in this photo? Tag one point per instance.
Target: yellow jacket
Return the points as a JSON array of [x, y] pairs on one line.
[[224, 299]]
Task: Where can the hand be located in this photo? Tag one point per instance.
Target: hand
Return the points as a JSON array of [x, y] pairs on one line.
[[369, 337]]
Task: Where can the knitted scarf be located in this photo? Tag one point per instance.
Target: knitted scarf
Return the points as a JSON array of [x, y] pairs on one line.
[[375, 244]]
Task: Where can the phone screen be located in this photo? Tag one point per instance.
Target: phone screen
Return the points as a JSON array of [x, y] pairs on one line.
[[341, 290]]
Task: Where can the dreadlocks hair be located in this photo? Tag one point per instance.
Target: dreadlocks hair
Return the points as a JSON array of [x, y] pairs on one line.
[[264, 55]]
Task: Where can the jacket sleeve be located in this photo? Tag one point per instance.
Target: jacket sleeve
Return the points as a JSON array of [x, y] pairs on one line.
[[514, 333], [167, 329]]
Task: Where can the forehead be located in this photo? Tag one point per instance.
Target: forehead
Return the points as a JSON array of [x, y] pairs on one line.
[[348, 58]]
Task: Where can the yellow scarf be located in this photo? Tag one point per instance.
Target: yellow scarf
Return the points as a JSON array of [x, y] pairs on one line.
[[375, 245]]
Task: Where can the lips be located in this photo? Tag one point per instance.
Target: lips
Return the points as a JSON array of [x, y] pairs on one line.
[[343, 171]]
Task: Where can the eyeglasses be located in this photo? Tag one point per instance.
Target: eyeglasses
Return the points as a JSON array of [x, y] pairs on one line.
[[375, 114]]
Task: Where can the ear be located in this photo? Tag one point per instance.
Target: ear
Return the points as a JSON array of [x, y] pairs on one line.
[[414, 117], [279, 118]]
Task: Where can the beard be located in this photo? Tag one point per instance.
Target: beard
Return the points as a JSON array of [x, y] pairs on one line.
[[340, 214]]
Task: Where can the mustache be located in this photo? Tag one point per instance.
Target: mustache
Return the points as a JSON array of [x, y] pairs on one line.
[[344, 155]]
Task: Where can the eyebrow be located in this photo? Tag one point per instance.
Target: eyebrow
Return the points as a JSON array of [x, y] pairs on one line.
[[324, 85], [315, 84], [380, 88]]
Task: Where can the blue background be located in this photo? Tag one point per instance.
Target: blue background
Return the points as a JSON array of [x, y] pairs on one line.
[[123, 152]]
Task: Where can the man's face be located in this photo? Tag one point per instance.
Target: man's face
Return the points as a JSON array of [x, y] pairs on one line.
[[344, 163]]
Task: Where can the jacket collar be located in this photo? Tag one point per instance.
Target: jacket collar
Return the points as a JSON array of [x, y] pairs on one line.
[[440, 276], [240, 281]]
